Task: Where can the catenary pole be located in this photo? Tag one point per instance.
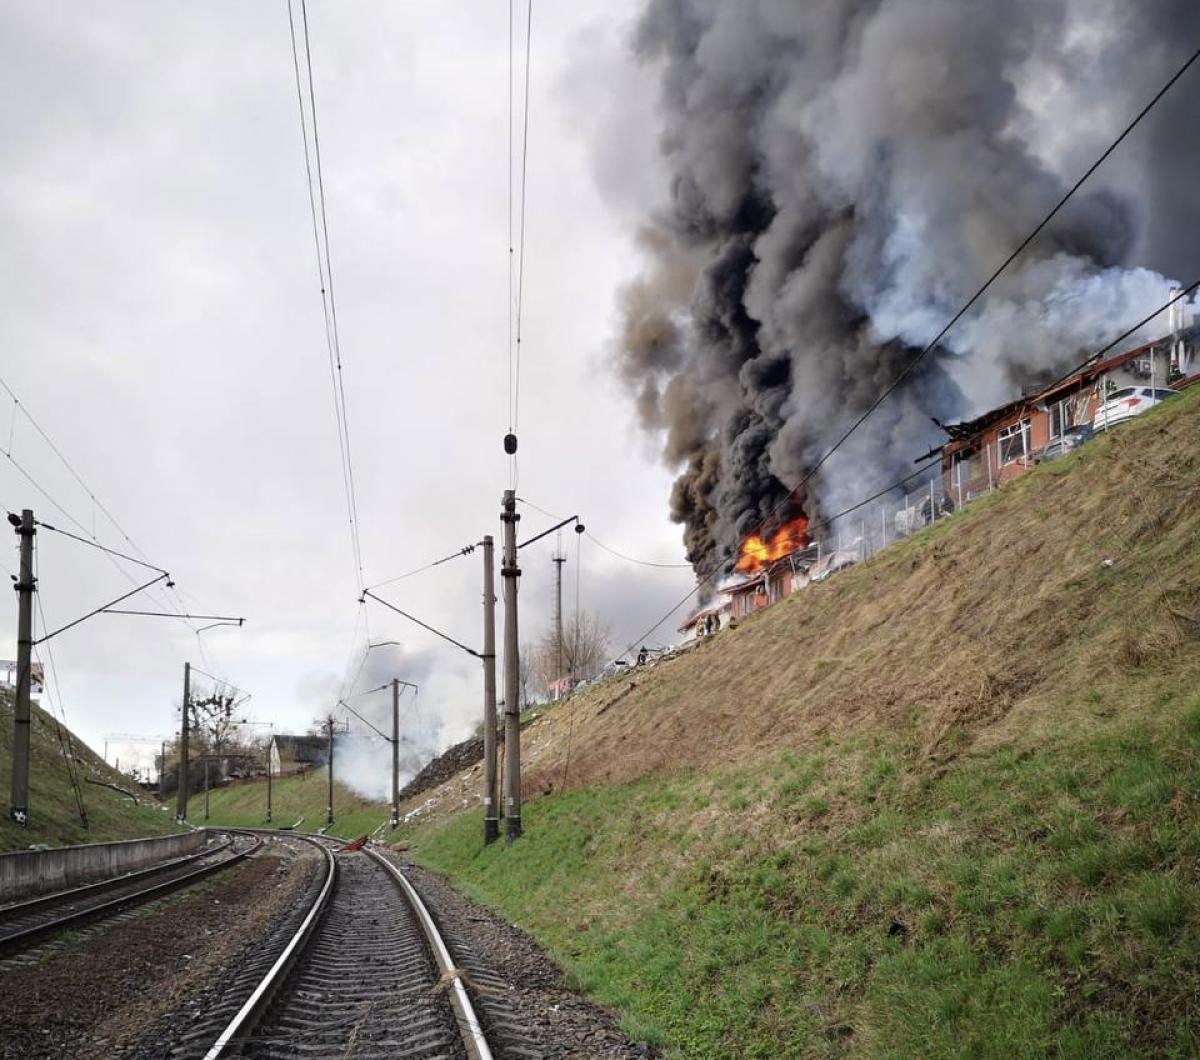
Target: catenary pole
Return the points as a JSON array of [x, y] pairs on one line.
[[269, 771], [395, 751], [181, 794], [18, 807], [329, 776], [510, 572], [559, 560], [491, 796], [162, 772]]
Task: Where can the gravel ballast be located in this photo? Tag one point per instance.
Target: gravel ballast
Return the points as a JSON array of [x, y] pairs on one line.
[[118, 990], [521, 994]]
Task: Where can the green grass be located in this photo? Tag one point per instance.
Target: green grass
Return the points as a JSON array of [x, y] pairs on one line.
[[292, 798], [1027, 902], [54, 814]]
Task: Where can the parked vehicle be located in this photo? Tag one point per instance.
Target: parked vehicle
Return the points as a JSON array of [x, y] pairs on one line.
[[1072, 438], [1127, 403]]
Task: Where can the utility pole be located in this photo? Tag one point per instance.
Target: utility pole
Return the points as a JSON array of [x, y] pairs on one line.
[[181, 793], [162, 772], [269, 771], [491, 796], [206, 758], [18, 807], [395, 751], [510, 572], [329, 730], [559, 559]]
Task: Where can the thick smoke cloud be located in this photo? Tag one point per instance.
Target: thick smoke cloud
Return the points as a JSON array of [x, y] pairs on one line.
[[843, 174]]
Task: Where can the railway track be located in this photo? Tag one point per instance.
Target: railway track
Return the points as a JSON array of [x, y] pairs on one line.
[[27, 923], [364, 975]]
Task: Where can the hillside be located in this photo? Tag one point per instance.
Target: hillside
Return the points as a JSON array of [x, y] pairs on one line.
[[293, 798], [54, 813], [943, 804]]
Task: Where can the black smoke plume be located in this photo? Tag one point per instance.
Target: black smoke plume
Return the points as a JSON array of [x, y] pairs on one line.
[[843, 174]]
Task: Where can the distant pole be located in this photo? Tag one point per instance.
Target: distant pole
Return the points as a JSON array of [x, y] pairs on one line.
[[18, 807], [510, 572], [269, 772], [491, 795], [181, 794], [395, 751], [559, 560], [329, 769], [162, 773], [206, 787]]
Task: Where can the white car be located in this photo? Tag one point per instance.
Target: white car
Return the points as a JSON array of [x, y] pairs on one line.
[[1127, 403]]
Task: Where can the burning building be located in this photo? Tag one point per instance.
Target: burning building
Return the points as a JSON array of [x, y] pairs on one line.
[[771, 565]]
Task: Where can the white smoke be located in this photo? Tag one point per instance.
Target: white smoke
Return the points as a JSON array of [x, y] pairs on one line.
[[441, 712]]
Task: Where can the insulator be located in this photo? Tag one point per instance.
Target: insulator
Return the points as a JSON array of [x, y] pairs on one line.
[[510, 443]]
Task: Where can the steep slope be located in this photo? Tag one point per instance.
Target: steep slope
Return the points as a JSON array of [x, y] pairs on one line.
[[942, 804], [54, 812]]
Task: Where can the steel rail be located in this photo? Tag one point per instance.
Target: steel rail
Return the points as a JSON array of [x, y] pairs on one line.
[[252, 1010], [20, 939], [466, 1021], [97, 886]]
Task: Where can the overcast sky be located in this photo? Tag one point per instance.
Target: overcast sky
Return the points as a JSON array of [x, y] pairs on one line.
[[163, 324]]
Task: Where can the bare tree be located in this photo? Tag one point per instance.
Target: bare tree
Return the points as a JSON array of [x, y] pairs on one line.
[[528, 672], [585, 648], [213, 719]]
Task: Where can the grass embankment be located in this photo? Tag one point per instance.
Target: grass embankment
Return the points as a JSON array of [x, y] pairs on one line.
[[292, 798], [54, 813], [945, 804]]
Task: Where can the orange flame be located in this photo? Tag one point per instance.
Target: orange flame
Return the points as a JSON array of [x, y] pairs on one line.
[[757, 553]]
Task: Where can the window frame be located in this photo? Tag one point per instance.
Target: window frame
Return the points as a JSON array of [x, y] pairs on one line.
[[1020, 429]]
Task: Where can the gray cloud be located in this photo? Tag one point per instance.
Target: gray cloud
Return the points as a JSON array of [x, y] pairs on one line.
[[163, 323]]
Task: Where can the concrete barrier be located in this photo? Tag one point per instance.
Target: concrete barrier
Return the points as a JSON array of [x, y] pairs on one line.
[[26, 873]]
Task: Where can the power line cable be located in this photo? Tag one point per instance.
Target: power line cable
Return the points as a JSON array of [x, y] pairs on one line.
[[320, 225], [607, 548], [220, 681], [466, 550], [337, 342], [632, 559], [521, 259], [423, 625], [91, 539], [511, 287], [64, 742], [1099, 354], [102, 548]]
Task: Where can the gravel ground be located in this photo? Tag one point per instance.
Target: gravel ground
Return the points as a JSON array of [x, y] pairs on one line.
[[118, 984], [524, 1002]]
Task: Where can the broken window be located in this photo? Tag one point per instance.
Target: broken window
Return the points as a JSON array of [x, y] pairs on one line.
[[1013, 442]]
